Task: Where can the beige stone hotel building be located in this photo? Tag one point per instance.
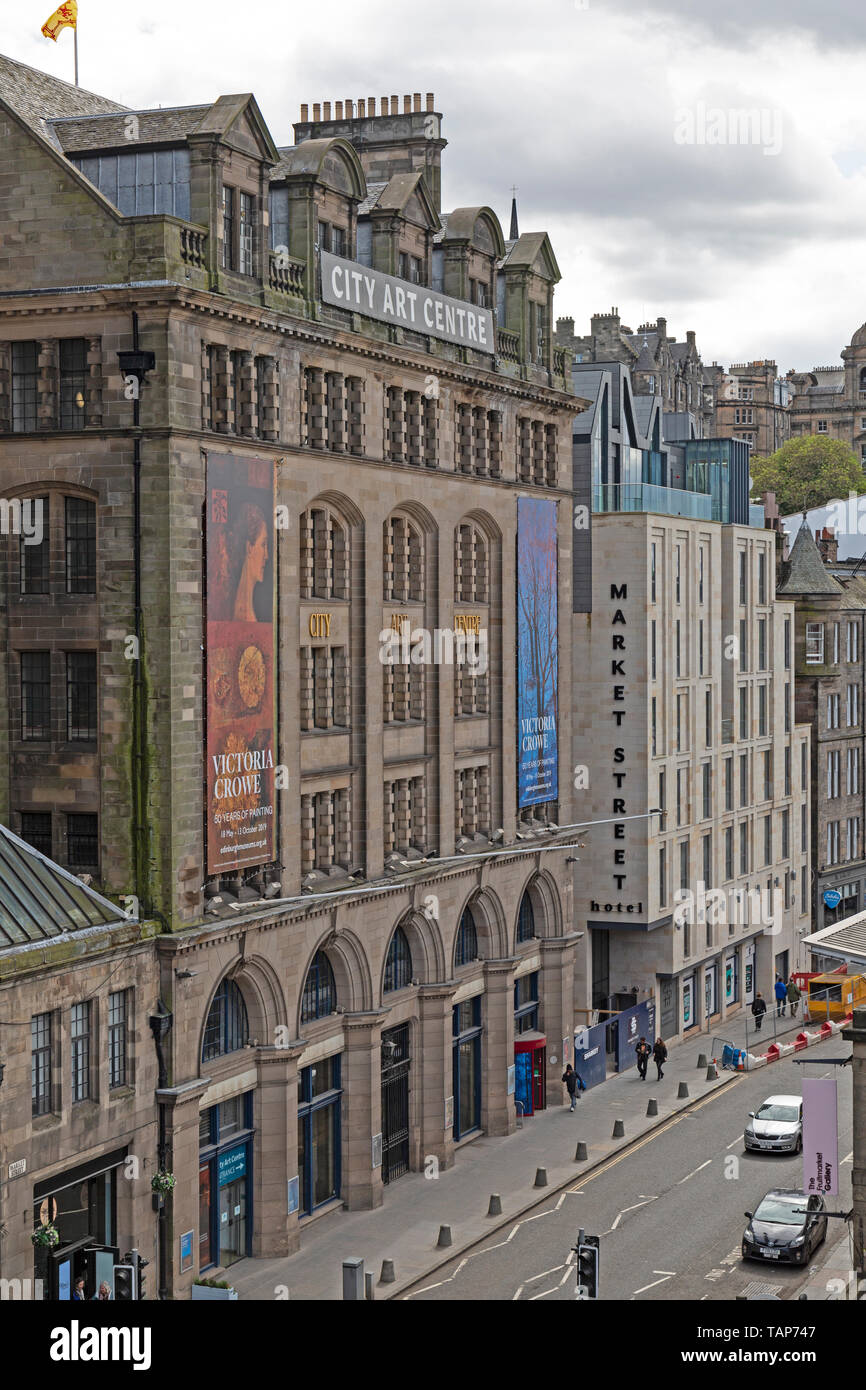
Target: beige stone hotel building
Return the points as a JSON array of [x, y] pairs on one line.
[[275, 403]]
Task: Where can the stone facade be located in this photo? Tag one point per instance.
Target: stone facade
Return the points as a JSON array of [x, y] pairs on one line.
[[752, 403], [831, 400]]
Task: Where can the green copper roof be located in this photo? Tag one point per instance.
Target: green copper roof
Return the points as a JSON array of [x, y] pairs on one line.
[[39, 900]]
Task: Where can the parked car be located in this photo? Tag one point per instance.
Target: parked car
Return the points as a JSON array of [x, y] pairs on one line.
[[776, 1127], [787, 1226]]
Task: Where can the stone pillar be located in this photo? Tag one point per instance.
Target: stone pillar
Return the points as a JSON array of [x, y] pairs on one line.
[[432, 1071], [362, 1110], [275, 1161], [498, 1115], [857, 1035], [556, 1000], [182, 1116]]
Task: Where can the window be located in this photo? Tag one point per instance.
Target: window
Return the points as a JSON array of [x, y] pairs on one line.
[[786, 834], [700, 647], [80, 546], [762, 644], [804, 819], [768, 840], [814, 644], [398, 966], [742, 576], [663, 876], [682, 722], [246, 223], [25, 386], [729, 853], [324, 556], [466, 1066], [653, 572], [227, 1028], [768, 774], [677, 571], [744, 711], [73, 383], [787, 771], [466, 945], [744, 779], [679, 670], [684, 864], [526, 1003], [729, 784], [34, 568], [82, 841], [654, 726], [320, 991], [787, 706], [852, 781], [833, 759], [320, 1098], [852, 837], [682, 795], [744, 645], [762, 576], [40, 1064], [653, 648], [118, 1007], [787, 643], [142, 183], [708, 717], [707, 855], [81, 697], [663, 805], [852, 705], [36, 695], [80, 1050], [525, 920], [744, 847], [804, 760], [707, 790], [835, 644], [832, 711], [852, 642], [36, 830], [762, 711], [833, 842], [821, 427], [227, 250], [700, 574]]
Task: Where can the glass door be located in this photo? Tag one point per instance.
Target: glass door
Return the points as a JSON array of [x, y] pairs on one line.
[[233, 1221]]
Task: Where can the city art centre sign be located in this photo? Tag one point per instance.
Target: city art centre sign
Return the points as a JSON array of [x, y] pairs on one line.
[[348, 285]]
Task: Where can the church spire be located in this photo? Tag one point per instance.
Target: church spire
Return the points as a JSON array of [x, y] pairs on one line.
[[514, 233]]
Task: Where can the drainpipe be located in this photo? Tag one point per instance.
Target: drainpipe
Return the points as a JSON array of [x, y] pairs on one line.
[[160, 1025]]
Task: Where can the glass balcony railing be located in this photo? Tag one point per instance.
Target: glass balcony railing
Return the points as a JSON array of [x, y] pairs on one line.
[[648, 497]]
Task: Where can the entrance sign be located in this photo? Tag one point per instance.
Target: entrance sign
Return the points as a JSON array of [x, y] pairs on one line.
[[232, 1165], [359, 288]]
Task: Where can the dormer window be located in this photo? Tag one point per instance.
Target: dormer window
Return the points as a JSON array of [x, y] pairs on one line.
[[479, 293], [332, 239], [409, 268], [238, 211]]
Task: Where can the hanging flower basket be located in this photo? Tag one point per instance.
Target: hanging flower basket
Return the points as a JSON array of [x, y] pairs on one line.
[[47, 1236], [162, 1182]]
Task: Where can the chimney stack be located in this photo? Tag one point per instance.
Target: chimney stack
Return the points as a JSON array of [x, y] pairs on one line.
[[662, 327], [305, 111], [828, 544], [395, 106], [338, 110], [326, 111], [407, 105], [416, 101], [430, 106], [690, 337], [349, 110]]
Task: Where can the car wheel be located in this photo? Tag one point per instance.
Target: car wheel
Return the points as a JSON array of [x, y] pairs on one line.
[[799, 1145]]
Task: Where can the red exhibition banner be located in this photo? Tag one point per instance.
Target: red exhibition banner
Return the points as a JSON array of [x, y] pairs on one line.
[[239, 662]]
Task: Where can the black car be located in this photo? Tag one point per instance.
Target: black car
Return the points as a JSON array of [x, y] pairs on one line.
[[787, 1227]]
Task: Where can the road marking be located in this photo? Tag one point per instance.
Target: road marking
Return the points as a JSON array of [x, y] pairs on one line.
[[652, 1285], [697, 1170], [671, 1272], [734, 1142], [733, 1258], [625, 1209]]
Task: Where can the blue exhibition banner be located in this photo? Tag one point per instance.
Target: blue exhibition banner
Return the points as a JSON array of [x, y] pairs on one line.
[[590, 1058], [537, 652], [631, 1025]]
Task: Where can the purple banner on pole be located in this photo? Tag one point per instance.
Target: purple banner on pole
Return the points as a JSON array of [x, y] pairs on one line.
[[820, 1141]]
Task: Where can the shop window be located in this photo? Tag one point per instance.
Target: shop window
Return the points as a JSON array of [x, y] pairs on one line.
[[526, 1004], [225, 1161], [466, 1066], [320, 991], [398, 967], [319, 1103], [227, 1027], [466, 946], [525, 920]]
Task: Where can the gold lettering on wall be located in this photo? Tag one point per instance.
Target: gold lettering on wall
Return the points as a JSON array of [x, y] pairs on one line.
[[320, 624]]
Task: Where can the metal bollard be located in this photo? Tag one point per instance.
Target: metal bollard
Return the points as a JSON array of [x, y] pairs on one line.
[[353, 1279], [712, 1074], [444, 1237], [369, 1288], [387, 1275]]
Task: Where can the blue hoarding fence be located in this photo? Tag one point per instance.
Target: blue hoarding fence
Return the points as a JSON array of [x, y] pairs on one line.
[[632, 1024], [590, 1056]]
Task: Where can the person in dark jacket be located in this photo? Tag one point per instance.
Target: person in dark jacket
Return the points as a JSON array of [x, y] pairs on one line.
[[660, 1056], [759, 1008], [643, 1052], [793, 996], [571, 1079], [780, 989]]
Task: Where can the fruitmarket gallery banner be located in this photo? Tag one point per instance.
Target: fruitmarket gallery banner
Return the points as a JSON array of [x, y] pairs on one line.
[[537, 652], [239, 563]]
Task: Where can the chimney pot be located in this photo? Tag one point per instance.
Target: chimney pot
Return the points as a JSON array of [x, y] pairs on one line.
[[361, 111], [430, 106], [317, 111], [326, 110], [407, 105], [338, 110], [383, 106], [416, 101], [304, 111], [371, 106], [348, 107], [395, 105]]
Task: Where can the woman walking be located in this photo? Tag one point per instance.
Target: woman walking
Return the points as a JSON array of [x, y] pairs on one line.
[[660, 1056]]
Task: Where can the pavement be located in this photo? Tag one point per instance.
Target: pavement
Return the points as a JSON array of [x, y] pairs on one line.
[[406, 1228]]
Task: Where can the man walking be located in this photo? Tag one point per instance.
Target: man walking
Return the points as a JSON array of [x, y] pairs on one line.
[[660, 1056], [570, 1078], [759, 1008], [793, 996], [781, 992], [642, 1052]]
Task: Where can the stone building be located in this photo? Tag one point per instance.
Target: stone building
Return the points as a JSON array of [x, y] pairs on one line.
[[753, 403], [182, 315], [659, 365], [696, 889], [831, 400], [829, 691]]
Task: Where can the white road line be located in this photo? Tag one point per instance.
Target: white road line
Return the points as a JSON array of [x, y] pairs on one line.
[[671, 1272], [652, 1285], [697, 1170], [738, 1140], [633, 1208]]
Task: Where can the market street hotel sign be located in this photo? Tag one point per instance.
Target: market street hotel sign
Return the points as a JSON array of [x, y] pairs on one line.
[[348, 285]]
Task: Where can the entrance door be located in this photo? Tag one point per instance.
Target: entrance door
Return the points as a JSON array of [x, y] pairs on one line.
[[523, 1092], [395, 1102], [539, 1056], [233, 1221]]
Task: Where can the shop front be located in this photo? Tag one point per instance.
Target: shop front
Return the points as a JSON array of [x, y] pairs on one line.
[[225, 1187], [466, 1066], [81, 1204]]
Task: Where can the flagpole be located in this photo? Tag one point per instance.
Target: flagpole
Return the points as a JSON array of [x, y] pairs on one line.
[[75, 35]]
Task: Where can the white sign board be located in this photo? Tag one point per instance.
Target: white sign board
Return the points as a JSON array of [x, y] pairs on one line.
[[348, 285]]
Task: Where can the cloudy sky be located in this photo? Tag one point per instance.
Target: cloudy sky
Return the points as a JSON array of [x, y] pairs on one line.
[[613, 118]]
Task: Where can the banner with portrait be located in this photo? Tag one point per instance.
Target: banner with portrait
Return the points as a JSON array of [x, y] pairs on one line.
[[239, 662], [537, 652]]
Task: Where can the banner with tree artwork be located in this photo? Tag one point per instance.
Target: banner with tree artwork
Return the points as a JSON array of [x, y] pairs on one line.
[[240, 662], [537, 652]]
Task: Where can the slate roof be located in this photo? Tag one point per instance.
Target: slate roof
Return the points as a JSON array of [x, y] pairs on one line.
[[804, 570], [170, 126], [374, 193], [40, 900], [37, 97]]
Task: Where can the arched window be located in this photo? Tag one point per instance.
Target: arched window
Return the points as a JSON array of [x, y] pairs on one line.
[[320, 992], [227, 1028], [403, 561], [471, 573], [324, 555], [398, 967], [525, 920], [466, 947]]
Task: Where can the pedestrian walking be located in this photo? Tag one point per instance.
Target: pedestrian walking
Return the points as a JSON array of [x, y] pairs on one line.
[[571, 1079], [781, 992], [759, 1008], [660, 1056], [642, 1052], [793, 996]]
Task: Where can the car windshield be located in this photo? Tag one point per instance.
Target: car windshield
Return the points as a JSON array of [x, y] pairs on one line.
[[778, 1112], [787, 1211]]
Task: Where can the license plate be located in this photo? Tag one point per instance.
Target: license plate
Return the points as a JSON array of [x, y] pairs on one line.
[[772, 1254]]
